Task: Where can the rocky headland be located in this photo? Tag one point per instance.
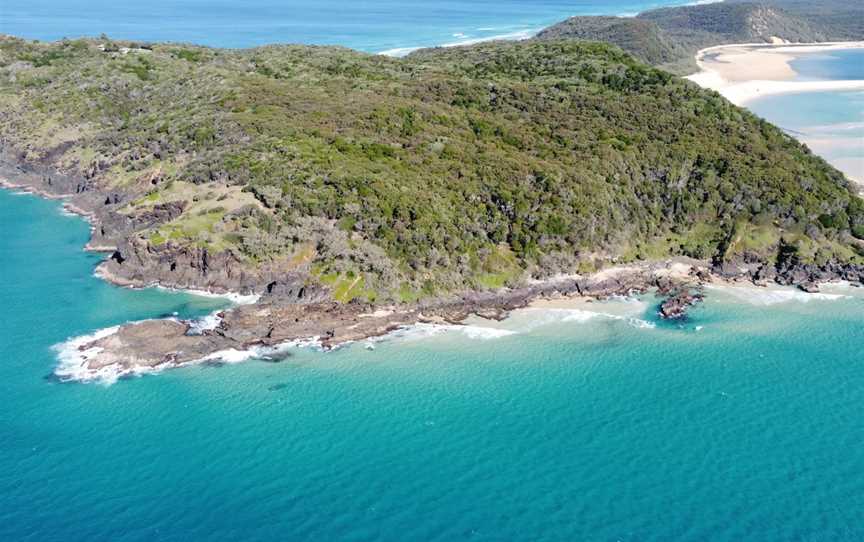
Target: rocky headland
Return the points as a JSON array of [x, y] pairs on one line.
[[290, 310], [356, 194]]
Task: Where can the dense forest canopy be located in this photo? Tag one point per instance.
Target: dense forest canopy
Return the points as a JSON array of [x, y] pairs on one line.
[[394, 178]]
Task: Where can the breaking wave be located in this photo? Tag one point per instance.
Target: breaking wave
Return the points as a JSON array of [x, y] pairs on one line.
[[464, 39], [72, 359], [233, 297], [773, 295], [207, 323], [422, 331], [232, 355]]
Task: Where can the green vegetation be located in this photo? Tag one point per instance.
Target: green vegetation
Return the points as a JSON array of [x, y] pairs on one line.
[[641, 38], [395, 179], [670, 37], [835, 20]]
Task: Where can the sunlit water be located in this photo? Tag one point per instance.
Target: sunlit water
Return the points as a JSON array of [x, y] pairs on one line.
[[597, 423], [593, 423]]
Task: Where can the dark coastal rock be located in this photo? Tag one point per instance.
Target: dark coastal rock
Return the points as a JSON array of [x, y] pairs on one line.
[[679, 298], [787, 269], [141, 263], [735, 269], [295, 289], [765, 275], [151, 344], [676, 306], [620, 284], [809, 287], [159, 214], [269, 323]]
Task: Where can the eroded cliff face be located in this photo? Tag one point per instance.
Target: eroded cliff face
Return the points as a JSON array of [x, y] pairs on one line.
[[137, 262], [132, 260]]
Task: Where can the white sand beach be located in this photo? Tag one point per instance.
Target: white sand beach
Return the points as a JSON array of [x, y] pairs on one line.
[[743, 72]]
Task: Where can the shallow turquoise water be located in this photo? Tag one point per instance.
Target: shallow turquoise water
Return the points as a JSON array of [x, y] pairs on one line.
[[369, 25], [830, 122], [838, 64], [573, 426]]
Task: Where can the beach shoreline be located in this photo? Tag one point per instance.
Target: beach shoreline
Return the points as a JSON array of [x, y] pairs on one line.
[[748, 71], [743, 73]]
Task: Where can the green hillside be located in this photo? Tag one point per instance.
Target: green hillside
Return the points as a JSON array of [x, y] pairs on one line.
[[393, 179], [670, 37], [641, 38], [835, 20]]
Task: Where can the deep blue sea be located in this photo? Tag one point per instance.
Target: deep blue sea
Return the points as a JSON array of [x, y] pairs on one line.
[[368, 25], [594, 422]]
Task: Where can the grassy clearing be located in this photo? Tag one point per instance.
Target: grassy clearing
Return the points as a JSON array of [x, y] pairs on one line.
[[347, 286]]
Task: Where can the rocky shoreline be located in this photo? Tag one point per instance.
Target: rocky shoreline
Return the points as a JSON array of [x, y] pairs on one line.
[[289, 310], [263, 329], [275, 321]]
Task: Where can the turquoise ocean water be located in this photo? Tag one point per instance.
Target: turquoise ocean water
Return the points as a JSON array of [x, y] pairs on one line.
[[592, 423], [597, 423]]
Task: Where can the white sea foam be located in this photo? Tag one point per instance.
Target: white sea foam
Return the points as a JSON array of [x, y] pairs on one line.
[[773, 295], [233, 355], [72, 360], [399, 51], [207, 323], [534, 318], [639, 323], [485, 333], [423, 331], [515, 35], [235, 298]]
